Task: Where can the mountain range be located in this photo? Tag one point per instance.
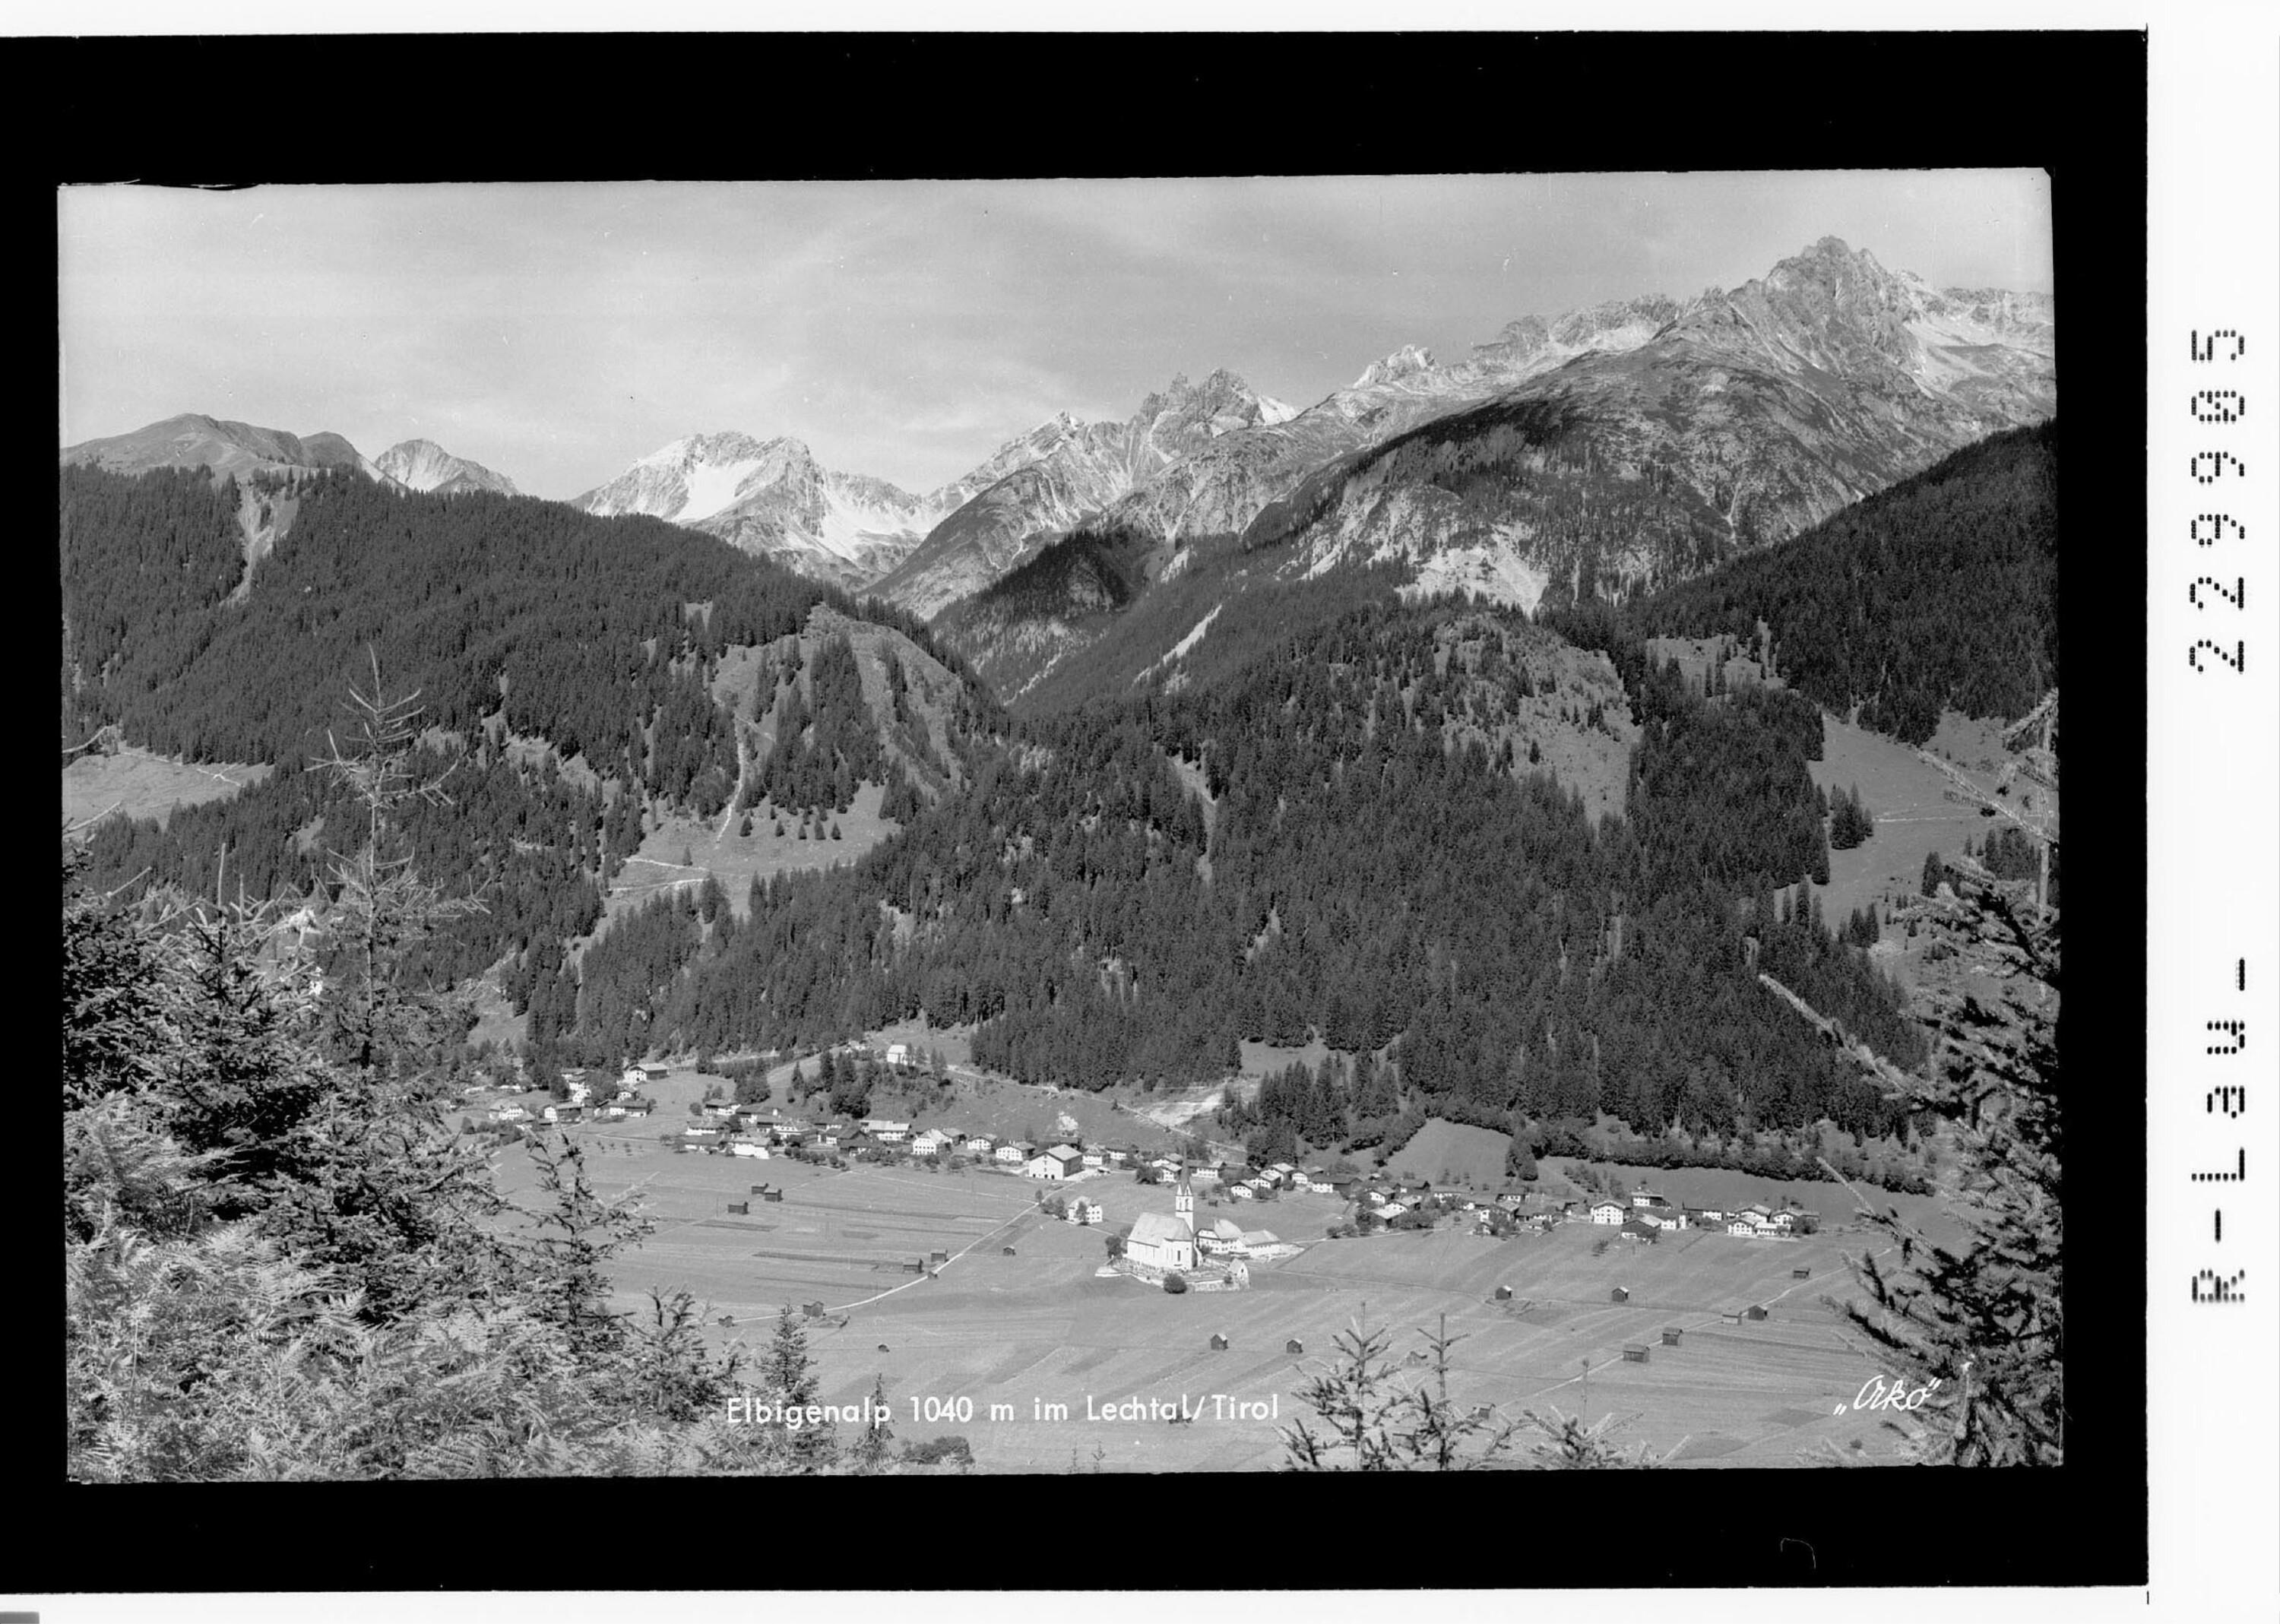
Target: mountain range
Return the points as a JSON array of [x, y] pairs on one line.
[[1615, 448], [232, 448]]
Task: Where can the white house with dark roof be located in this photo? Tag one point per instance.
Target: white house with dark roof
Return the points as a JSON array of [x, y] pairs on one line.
[[1609, 1211]]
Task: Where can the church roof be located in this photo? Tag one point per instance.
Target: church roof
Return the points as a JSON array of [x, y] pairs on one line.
[[1152, 1226]]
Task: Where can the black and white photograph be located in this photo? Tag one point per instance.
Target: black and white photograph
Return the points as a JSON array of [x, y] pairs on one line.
[[1044, 826], [1102, 805]]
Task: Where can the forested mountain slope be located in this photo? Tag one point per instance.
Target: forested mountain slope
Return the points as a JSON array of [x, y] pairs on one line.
[[1381, 863], [575, 674], [1938, 593]]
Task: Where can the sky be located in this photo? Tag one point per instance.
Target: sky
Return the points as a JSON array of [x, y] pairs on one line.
[[556, 333]]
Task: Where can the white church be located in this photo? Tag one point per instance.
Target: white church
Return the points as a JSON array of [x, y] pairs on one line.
[[1165, 1241]]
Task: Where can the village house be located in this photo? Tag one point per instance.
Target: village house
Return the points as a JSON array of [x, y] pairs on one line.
[[1057, 1163], [1224, 1236], [1608, 1211], [1393, 1209], [1640, 1228], [928, 1142], [1740, 1225], [899, 1054], [1117, 1158], [633, 1077], [1242, 1192], [1014, 1151], [1094, 1159], [979, 1144], [891, 1133], [746, 1147], [1082, 1210], [1647, 1199], [1258, 1241]]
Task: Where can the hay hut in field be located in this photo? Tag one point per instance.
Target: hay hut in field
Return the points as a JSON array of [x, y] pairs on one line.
[[1800, 1273], [740, 1206], [1294, 1346], [814, 1311], [1502, 1294], [882, 1348], [1670, 1335], [1755, 1311], [1621, 1294], [772, 1195], [1219, 1341], [1731, 1316], [1635, 1352], [940, 1256], [1009, 1251]]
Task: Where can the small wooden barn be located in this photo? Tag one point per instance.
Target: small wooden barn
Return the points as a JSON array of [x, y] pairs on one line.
[[882, 1348], [1670, 1335], [740, 1206], [940, 1255], [758, 1190], [1503, 1294], [772, 1195], [1220, 1343], [1009, 1251], [1755, 1311], [1294, 1346], [1621, 1294], [1800, 1273], [1731, 1316], [1635, 1352], [814, 1311]]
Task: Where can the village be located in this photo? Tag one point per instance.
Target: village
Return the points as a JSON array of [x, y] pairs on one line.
[[1156, 1243], [1008, 1244]]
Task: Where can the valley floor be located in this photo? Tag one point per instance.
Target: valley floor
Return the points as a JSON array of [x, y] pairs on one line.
[[1016, 1320]]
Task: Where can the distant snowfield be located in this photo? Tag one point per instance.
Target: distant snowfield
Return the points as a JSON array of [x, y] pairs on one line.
[[712, 487]]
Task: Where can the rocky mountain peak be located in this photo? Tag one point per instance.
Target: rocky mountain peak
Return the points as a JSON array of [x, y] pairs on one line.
[[1404, 361]]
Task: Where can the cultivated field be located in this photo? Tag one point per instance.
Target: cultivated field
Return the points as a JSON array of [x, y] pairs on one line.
[[139, 784], [1454, 1154], [997, 1340]]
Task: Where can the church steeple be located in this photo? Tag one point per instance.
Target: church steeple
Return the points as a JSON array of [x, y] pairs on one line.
[[1183, 1200]]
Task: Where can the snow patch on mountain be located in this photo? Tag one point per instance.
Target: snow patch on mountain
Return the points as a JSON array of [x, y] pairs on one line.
[[710, 487]]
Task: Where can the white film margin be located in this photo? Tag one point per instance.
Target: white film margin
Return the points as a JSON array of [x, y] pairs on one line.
[[2213, 813]]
